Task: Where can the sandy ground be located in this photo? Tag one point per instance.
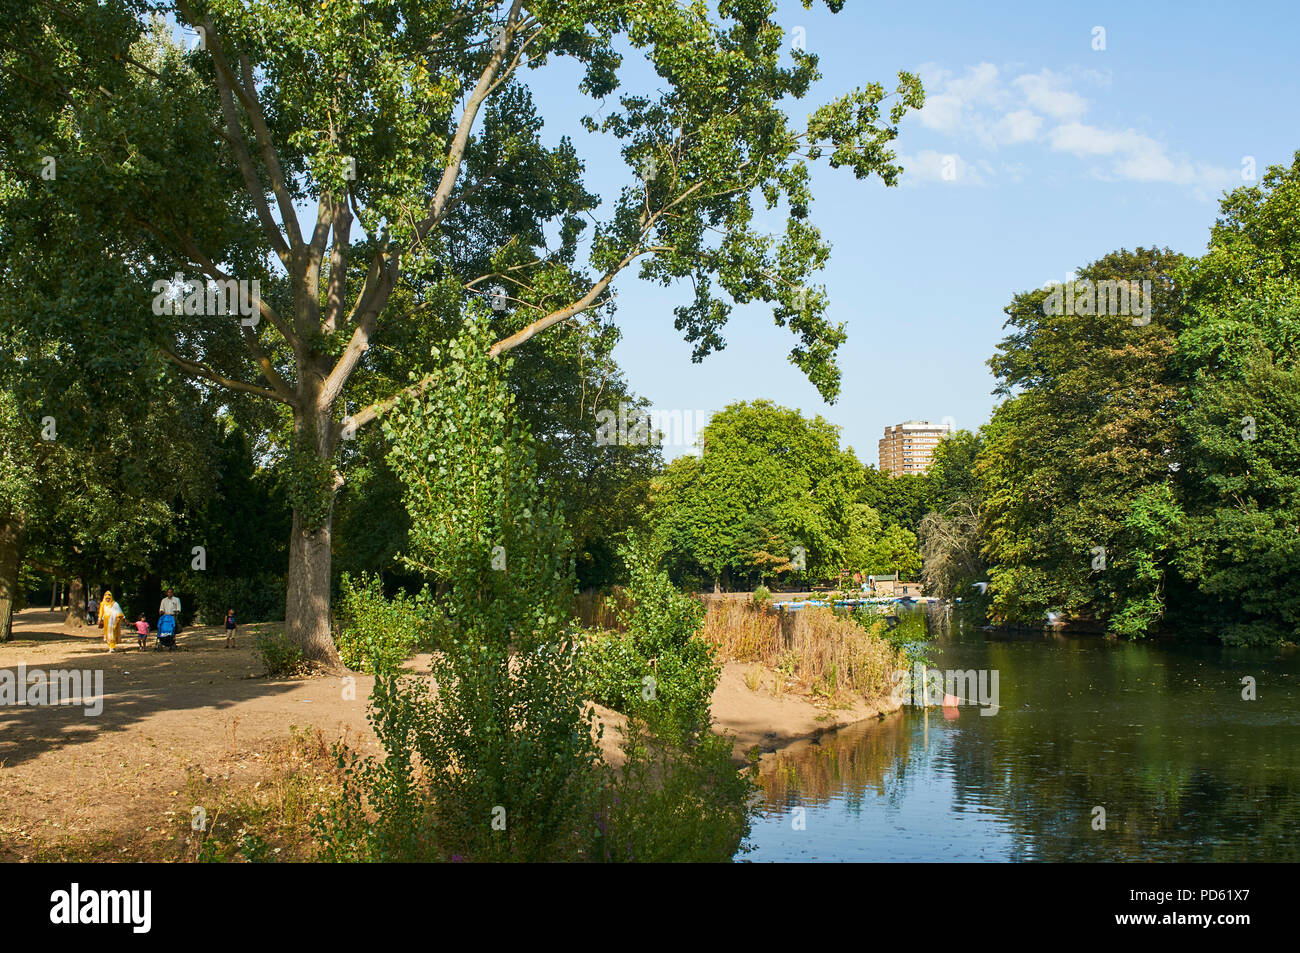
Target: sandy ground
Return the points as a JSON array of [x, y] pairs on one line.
[[207, 711]]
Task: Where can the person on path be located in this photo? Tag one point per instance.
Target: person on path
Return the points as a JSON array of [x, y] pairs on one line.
[[142, 631], [171, 606], [230, 628], [110, 620]]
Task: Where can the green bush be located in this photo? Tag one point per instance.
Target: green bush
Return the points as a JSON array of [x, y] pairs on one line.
[[658, 666], [762, 595], [678, 796], [374, 633], [500, 762], [613, 669], [280, 655], [673, 803]]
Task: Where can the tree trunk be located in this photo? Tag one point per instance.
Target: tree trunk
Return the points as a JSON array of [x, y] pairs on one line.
[[11, 545], [307, 603], [307, 596], [77, 604]]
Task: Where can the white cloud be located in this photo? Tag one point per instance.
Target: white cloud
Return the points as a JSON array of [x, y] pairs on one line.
[[981, 84], [941, 113], [995, 108], [983, 105], [1019, 126], [947, 168], [1137, 157], [1046, 91], [1079, 139]]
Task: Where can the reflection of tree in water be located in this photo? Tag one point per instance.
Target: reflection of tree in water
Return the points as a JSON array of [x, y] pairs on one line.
[[1158, 737], [844, 766]]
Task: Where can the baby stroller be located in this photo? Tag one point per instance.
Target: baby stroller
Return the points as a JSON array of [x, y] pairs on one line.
[[166, 633]]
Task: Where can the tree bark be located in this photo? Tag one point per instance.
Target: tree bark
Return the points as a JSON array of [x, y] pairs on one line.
[[307, 602], [307, 596], [11, 545], [76, 616]]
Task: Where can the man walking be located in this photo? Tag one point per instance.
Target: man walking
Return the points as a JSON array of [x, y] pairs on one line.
[[171, 606]]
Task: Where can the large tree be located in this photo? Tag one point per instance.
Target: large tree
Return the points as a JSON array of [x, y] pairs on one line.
[[262, 150], [768, 481], [900, 500], [1239, 505], [1075, 460]]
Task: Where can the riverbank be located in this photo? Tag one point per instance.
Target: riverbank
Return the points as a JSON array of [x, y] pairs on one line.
[[762, 710], [201, 727]]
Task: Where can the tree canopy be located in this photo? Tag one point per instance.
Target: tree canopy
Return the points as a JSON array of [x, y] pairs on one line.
[[773, 496], [375, 166], [1142, 474]]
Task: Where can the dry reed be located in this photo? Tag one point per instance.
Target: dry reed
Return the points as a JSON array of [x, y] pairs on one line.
[[824, 652]]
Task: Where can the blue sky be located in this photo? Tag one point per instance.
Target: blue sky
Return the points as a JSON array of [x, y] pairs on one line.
[[1062, 153]]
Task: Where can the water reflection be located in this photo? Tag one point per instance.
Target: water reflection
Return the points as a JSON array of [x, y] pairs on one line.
[[1157, 737]]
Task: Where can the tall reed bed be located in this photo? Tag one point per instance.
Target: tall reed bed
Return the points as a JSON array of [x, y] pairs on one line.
[[824, 652], [820, 650]]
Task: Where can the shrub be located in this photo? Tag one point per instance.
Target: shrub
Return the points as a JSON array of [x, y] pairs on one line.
[[672, 802], [281, 656], [500, 763], [376, 634], [762, 596], [678, 795], [657, 666]]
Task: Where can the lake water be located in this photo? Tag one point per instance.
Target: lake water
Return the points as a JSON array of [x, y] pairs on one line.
[[1157, 735]]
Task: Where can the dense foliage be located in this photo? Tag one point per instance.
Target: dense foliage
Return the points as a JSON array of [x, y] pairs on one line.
[[377, 633], [1140, 475], [655, 655], [376, 167], [773, 497], [500, 760]]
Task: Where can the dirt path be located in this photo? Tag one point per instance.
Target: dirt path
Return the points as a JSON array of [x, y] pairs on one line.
[[203, 707], [206, 711]]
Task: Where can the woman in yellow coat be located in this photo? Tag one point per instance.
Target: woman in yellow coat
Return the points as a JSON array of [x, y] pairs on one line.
[[110, 620]]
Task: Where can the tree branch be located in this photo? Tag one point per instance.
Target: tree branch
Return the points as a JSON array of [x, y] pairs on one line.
[[195, 369], [225, 92], [456, 153]]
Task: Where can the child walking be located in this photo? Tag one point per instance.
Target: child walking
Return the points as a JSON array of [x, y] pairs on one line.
[[230, 628], [142, 631]]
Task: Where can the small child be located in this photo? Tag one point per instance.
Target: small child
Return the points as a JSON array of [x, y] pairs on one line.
[[230, 628], [142, 631]]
